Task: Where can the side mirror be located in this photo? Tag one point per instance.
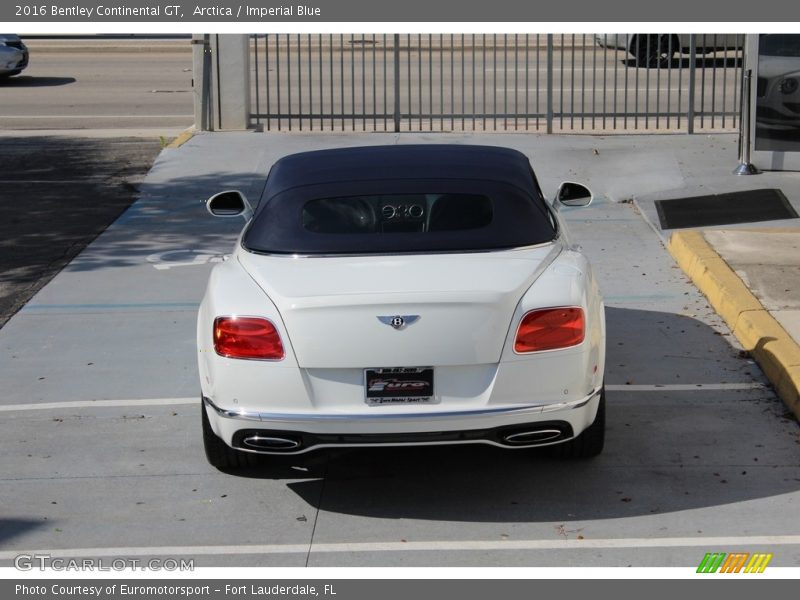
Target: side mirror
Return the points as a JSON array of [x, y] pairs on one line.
[[573, 194], [231, 203]]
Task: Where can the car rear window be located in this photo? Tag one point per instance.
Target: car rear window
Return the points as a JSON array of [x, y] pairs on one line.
[[398, 216], [397, 213]]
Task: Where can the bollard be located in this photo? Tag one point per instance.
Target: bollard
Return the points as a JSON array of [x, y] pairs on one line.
[[745, 166]]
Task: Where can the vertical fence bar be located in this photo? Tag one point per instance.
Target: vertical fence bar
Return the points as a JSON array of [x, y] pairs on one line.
[[463, 82], [266, 78], [278, 85], [594, 82], [724, 82], [692, 69], [363, 83], [374, 85], [671, 52], [703, 89], [538, 87], [330, 79], [549, 83], [299, 83], [289, 79], [352, 85], [430, 81], [494, 81], [255, 70], [483, 80], [321, 103], [396, 58], [516, 80], [310, 87], [714, 83], [571, 83], [636, 85], [408, 83], [527, 81], [650, 40], [680, 85], [474, 56], [505, 81], [341, 79], [605, 80], [452, 83], [561, 86], [441, 82]]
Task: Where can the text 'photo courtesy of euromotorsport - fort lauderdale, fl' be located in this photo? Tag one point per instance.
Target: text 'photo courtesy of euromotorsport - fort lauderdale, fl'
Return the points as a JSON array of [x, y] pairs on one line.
[[172, 590]]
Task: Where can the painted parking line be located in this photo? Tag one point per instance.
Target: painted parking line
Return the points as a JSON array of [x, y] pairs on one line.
[[99, 404], [698, 387], [433, 546]]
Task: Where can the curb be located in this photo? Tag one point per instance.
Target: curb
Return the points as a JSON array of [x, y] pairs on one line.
[[184, 137], [770, 345]]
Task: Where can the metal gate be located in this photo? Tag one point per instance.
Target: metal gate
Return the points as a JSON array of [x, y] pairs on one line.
[[568, 83]]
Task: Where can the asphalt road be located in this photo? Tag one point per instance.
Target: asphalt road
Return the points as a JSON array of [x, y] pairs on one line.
[[100, 90]]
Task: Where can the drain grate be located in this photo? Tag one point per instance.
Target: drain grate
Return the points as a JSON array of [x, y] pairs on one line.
[[749, 206]]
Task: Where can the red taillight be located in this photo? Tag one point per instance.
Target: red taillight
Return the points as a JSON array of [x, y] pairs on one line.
[[247, 337], [549, 329]]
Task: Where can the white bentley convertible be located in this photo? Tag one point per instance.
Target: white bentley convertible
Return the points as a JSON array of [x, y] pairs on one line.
[[401, 295]]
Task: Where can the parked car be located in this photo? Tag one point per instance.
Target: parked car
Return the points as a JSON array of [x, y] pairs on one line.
[[401, 295], [13, 55], [778, 84], [658, 49]]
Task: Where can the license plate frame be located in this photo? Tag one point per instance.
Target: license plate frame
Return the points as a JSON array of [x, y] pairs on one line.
[[392, 386]]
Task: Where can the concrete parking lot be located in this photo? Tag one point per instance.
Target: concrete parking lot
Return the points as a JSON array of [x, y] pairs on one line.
[[100, 447]]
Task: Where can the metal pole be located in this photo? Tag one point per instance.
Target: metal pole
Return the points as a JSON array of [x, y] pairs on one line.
[[396, 82], [745, 166], [549, 83], [692, 69]]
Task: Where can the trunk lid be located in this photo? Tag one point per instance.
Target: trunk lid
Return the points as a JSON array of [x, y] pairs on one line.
[[338, 310]]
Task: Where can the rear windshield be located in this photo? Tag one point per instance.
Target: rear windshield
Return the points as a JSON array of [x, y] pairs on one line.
[[395, 214], [414, 217]]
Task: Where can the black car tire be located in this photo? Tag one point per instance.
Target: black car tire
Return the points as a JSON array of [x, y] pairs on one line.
[[590, 442], [219, 454], [653, 50]]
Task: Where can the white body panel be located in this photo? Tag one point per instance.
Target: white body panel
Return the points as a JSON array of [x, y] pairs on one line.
[[469, 304]]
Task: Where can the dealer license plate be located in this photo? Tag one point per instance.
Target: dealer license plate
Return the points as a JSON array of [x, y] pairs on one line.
[[399, 385]]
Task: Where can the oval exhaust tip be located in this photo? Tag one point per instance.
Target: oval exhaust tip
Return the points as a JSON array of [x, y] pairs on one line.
[[262, 442], [537, 436]]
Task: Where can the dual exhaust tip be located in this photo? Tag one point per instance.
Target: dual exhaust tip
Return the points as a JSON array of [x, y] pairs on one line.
[[277, 443]]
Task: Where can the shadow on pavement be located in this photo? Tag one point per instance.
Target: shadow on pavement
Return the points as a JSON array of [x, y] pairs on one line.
[[56, 195], [665, 451], [29, 81], [11, 528]]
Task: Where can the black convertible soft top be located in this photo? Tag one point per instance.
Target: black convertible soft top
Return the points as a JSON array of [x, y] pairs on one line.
[[489, 195]]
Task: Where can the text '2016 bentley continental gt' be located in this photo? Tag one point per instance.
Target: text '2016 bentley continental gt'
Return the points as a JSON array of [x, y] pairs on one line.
[[401, 295]]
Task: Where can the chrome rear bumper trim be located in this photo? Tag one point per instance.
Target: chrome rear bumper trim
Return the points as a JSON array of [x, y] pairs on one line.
[[482, 412]]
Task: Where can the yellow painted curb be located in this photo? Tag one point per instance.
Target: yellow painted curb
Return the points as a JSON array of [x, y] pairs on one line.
[[757, 330], [184, 137]]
